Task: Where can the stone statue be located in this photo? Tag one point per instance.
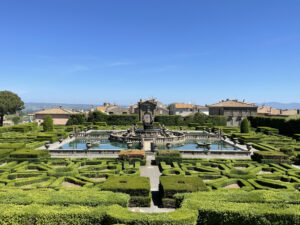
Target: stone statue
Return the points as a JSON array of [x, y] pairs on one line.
[[148, 120]]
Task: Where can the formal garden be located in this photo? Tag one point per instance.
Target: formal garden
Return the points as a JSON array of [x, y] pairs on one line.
[[36, 188]]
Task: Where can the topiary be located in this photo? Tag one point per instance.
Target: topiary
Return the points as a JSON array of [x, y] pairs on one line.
[[48, 123], [245, 126]]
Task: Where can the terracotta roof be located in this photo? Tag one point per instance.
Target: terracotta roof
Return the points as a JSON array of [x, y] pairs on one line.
[[268, 110], [183, 106], [101, 108], [232, 103], [56, 111]]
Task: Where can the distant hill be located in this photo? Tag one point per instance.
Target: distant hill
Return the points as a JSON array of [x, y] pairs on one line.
[[279, 105], [34, 107]]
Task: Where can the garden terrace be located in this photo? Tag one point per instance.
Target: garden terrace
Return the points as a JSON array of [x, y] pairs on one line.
[[220, 174]]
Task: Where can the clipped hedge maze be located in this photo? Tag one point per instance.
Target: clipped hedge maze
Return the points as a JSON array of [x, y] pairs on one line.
[[223, 174], [64, 173], [243, 207], [171, 185]]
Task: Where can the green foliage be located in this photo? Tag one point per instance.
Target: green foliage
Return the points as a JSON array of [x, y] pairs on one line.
[[285, 126], [270, 157], [137, 187], [16, 119], [27, 154], [48, 123], [76, 119], [98, 116], [168, 156], [10, 103], [195, 120], [239, 207], [117, 214], [171, 185], [245, 126], [85, 197], [41, 214], [169, 120]]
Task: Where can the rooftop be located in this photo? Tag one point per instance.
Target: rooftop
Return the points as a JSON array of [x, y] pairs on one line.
[[233, 103], [56, 111]]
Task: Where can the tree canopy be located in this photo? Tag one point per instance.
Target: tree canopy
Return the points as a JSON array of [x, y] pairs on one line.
[[10, 103]]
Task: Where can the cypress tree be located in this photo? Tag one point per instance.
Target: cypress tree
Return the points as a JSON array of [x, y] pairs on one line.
[[48, 123], [245, 126]]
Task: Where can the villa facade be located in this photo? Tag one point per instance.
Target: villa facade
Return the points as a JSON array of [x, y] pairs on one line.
[[183, 109], [234, 110], [59, 115]]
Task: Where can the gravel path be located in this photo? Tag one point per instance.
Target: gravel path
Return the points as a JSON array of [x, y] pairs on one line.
[[153, 173]]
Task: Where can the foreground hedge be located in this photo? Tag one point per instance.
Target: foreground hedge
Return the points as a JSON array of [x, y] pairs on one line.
[[247, 208], [117, 214], [41, 214], [74, 214], [86, 197]]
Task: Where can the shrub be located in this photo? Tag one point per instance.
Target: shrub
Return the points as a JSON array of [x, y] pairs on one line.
[[41, 214], [85, 197], [245, 126], [171, 185], [48, 123], [104, 124], [76, 119], [237, 207], [98, 116], [172, 120], [28, 154], [285, 126], [127, 154], [168, 156], [270, 157], [117, 214], [137, 187]]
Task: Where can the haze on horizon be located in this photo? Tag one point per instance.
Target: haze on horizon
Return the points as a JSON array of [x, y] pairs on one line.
[[118, 51]]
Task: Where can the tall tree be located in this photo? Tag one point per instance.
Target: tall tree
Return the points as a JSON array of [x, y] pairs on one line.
[[245, 126], [48, 123], [10, 103]]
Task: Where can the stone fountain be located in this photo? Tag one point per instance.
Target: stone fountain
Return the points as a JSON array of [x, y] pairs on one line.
[[148, 134]]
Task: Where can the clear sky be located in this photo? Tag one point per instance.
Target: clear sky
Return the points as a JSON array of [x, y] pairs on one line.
[[199, 51]]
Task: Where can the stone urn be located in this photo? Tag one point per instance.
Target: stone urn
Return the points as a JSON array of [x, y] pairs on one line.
[[113, 127], [235, 141], [209, 130], [60, 139], [224, 137], [181, 128], [249, 146], [85, 129], [168, 145], [71, 135], [129, 144], [88, 145], [208, 146], [47, 145]]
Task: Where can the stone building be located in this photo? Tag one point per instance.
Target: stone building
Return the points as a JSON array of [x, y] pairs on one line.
[[116, 109], [59, 115], [155, 107], [269, 111], [183, 109], [234, 110]]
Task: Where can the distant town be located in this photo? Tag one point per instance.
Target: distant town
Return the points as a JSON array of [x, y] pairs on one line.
[[235, 110]]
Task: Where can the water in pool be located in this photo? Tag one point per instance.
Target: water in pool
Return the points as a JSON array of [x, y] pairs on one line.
[[104, 144], [192, 145]]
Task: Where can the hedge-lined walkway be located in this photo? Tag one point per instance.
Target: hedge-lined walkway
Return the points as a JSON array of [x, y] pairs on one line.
[[153, 173]]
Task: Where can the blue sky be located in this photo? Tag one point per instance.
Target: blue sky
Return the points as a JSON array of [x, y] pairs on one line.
[[76, 51]]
